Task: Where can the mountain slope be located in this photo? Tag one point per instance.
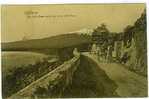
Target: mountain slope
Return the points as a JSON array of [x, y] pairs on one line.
[[55, 42]]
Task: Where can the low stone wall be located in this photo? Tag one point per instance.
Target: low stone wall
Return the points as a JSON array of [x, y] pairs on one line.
[[52, 84]]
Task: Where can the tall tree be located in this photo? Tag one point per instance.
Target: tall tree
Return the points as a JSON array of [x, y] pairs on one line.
[[100, 34]]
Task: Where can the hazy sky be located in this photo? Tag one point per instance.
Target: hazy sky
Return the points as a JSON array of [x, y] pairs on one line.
[[60, 19]]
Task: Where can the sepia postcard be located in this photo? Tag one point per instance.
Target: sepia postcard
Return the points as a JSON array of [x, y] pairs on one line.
[[74, 51]]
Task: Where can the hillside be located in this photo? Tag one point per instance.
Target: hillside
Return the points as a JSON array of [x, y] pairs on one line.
[[138, 53], [54, 42]]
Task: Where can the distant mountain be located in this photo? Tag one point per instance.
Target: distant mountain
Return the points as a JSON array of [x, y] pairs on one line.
[[54, 42], [83, 31]]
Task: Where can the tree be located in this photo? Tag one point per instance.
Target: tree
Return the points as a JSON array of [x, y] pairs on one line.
[[140, 24], [128, 34], [100, 34], [136, 35]]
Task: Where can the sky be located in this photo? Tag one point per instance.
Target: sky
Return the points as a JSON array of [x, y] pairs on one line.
[[40, 21]]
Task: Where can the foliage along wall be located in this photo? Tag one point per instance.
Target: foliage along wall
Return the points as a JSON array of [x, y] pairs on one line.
[[137, 36]]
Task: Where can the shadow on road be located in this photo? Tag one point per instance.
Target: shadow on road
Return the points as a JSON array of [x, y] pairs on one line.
[[90, 81]]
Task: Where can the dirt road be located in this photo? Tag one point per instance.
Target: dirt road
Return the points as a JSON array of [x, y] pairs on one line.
[[129, 83]]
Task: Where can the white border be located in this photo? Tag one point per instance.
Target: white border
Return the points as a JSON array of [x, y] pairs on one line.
[[68, 1], [29, 2]]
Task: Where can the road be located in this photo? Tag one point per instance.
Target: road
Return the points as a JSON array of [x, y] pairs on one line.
[[129, 83]]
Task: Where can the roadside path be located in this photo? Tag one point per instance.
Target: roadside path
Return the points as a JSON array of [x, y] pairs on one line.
[[129, 83]]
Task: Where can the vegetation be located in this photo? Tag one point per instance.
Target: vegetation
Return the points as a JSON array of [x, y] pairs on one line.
[[13, 59], [23, 75], [100, 34], [86, 77], [135, 43], [61, 45], [138, 59]]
